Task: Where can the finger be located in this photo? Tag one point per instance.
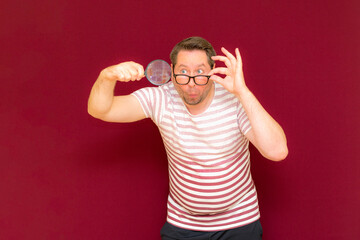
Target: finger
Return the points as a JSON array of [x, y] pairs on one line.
[[229, 55], [238, 56], [121, 76], [238, 60], [140, 71], [220, 70], [134, 74], [127, 75], [216, 79], [118, 74], [135, 70], [222, 59]]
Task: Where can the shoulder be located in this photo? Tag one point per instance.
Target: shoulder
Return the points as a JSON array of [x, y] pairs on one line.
[[224, 96]]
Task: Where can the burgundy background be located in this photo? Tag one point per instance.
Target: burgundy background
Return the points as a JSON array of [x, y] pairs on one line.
[[65, 175]]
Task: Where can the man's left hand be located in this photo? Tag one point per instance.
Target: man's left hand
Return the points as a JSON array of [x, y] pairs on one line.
[[234, 80]]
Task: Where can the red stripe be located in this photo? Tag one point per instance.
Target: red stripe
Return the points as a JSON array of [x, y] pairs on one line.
[[212, 190], [177, 176], [229, 213], [230, 201]]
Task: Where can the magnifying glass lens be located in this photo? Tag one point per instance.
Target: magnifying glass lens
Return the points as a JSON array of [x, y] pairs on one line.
[[158, 72]]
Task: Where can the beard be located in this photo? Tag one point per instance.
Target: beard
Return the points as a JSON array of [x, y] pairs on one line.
[[192, 101]]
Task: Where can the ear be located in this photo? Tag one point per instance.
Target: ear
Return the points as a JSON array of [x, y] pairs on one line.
[[172, 72]]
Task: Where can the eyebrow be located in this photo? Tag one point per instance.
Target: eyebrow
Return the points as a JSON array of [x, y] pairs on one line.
[[200, 65]]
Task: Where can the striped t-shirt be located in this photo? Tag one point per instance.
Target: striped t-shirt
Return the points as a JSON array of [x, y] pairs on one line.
[[210, 185]]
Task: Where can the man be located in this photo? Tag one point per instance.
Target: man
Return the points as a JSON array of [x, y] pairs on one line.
[[206, 122]]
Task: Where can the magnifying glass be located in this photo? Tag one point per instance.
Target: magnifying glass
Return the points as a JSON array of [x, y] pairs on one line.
[[158, 72]]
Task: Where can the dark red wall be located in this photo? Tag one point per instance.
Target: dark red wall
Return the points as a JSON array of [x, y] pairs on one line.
[[65, 175]]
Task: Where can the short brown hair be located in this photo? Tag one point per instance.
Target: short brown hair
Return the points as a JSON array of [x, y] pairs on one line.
[[193, 43]]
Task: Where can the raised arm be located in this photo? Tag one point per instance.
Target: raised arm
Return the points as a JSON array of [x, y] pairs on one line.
[[265, 134], [104, 105]]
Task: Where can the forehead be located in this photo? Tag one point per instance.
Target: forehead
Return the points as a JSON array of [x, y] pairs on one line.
[[192, 58]]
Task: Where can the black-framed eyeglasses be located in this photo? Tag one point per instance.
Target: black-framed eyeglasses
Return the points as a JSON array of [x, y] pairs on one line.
[[183, 79]]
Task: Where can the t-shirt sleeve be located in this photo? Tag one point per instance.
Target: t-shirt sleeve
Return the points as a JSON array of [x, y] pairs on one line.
[[243, 120], [151, 101]]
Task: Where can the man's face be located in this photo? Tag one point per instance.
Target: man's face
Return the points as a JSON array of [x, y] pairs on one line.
[[192, 63]]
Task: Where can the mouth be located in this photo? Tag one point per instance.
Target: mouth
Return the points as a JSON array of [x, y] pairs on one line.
[[193, 95]]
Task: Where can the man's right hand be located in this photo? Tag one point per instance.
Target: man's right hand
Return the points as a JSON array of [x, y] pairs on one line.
[[123, 72]]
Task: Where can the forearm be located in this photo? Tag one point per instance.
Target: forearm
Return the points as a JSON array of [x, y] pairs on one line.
[[267, 135], [101, 96]]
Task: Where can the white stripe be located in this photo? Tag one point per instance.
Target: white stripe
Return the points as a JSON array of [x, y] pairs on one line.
[[208, 158]]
